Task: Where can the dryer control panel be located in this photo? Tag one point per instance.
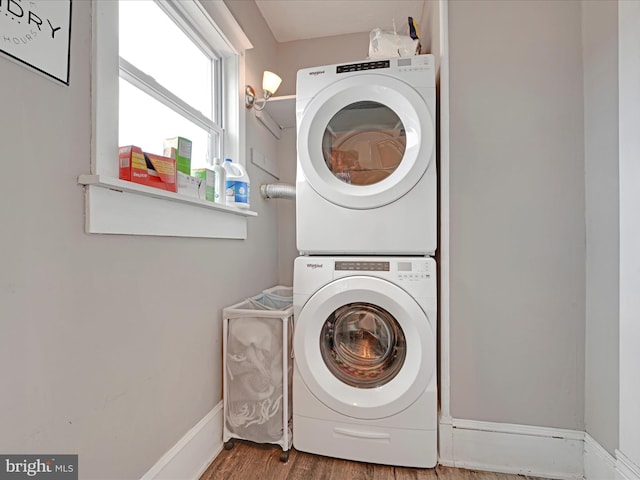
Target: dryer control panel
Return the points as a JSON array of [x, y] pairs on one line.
[[400, 64], [358, 67]]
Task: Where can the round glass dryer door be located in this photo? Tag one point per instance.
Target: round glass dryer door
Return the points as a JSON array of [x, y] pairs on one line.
[[365, 141], [364, 347]]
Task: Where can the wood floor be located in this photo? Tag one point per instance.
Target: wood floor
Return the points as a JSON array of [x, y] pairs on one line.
[[249, 461]]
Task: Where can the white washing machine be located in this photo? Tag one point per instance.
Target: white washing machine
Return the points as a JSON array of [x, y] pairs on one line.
[[365, 382], [366, 171]]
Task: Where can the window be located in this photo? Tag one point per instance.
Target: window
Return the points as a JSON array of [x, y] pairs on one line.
[[169, 79], [175, 72]]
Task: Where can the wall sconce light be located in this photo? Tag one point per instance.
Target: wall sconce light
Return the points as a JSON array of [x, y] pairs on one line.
[[270, 83]]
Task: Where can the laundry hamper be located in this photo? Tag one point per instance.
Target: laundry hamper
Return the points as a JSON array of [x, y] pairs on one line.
[[257, 338]]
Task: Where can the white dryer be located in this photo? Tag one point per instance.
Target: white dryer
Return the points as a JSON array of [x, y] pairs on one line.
[[366, 171], [364, 382]]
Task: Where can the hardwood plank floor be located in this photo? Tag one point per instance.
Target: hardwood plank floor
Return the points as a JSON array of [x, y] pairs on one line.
[[251, 461]]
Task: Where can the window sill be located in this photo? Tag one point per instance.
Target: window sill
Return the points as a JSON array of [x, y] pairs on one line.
[[116, 206]]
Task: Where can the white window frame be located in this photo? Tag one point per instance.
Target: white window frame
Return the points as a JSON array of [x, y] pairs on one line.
[[120, 207]]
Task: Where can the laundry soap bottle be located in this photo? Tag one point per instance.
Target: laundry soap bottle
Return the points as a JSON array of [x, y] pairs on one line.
[[237, 184]]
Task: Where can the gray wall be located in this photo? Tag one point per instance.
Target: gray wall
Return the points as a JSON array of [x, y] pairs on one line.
[[600, 57], [283, 151], [287, 250], [517, 212], [629, 171], [110, 346]]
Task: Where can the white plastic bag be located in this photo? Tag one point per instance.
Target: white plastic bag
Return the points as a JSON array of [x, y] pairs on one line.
[[389, 44]]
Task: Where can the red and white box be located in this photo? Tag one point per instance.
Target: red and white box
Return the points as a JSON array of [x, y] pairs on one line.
[[147, 169]]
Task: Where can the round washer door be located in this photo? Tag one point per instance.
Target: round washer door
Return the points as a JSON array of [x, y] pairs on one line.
[[365, 141], [364, 347]]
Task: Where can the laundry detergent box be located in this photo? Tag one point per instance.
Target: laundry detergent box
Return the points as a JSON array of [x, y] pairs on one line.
[[189, 186], [147, 169], [208, 186], [180, 149]]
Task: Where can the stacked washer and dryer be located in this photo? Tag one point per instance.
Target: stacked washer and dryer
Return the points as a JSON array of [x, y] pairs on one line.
[[365, 330]]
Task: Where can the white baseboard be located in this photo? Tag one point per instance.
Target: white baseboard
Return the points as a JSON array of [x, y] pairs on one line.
[[189, 458], [625, 468], [496, 447], [445, 440], [515, 449], [598, 463]]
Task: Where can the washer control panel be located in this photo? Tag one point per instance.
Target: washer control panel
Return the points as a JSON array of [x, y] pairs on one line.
[[363, 266], [411, 271], [401, 269]]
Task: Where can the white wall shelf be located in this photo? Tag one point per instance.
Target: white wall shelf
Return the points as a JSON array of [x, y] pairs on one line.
[[121, 207], [279, 113], [283, 110]]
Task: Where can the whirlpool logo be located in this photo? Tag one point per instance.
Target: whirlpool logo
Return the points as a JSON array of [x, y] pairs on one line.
[[315, 73], [313, 266]]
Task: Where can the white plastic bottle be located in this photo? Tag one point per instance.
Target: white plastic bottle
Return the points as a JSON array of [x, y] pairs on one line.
[[238, 184], [230, 182], [220, 179], [243, 188]]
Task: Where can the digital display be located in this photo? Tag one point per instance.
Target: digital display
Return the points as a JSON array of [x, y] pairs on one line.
[[404, 266], [404, 62], [358, 67], [363, 266]]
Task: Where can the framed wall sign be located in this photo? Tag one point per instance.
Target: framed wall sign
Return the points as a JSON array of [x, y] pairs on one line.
[[37, 33]]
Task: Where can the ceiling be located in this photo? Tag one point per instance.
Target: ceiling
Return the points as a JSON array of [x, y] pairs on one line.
[[302, 19]]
